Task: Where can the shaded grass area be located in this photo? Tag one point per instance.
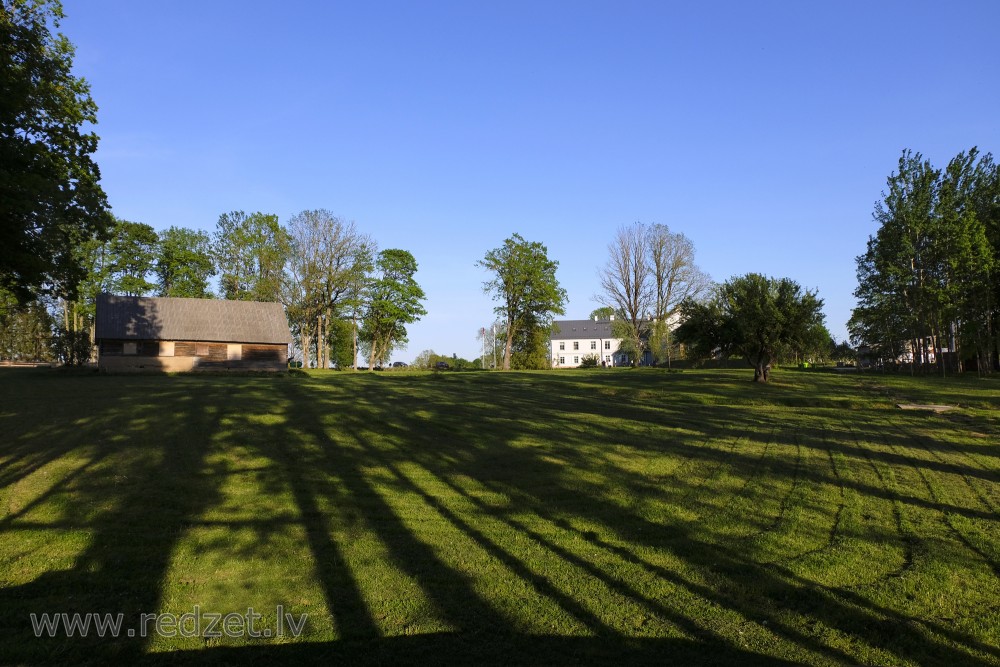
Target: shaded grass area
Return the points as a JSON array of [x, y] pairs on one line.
[[510, 518]]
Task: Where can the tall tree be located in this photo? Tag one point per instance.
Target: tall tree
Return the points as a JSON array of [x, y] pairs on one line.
[[250, 254], [627, 287], [755, 317], [184, 263], [925, 280], [326, 271], [524, 281], [132, 256], [50, 197], [676, 278], [394, 300]]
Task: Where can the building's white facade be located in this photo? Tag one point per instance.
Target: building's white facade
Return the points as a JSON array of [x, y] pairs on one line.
[[574, 340]]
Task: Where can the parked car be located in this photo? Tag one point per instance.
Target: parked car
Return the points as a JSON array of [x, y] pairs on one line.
[[399, 364], [441, 366]]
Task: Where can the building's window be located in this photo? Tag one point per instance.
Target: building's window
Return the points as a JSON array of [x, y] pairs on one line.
[[576, 345], [607, 358], [201, 349], [593, 345], [129, 348], [607, 345], [562, 360], [576, 360], [562, 346]]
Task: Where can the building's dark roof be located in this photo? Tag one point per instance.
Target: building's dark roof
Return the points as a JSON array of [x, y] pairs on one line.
[[580, 329], [167, 318]]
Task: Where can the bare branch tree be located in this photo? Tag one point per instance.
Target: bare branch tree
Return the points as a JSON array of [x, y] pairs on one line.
[[675, 278], [328, 261], [626, 282]]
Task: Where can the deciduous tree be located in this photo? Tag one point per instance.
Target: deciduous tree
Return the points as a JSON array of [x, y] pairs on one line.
[[524, 282], [755, 317], [250, 254], [50, 197], [626, 286], [184, 263], [393, 301]]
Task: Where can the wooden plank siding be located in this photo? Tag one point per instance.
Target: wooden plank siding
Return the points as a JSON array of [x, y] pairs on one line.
[[200, 355]]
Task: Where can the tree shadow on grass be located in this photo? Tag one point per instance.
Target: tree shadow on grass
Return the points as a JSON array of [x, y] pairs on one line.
[[495, 648], [139, 484], [488, 456]]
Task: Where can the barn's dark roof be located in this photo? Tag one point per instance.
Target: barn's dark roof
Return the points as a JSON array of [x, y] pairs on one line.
[[169, 318], [580, 329]]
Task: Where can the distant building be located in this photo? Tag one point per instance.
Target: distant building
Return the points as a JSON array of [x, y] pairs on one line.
[[574, 340], [146, 334]]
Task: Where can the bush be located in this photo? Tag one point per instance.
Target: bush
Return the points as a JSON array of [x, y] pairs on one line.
[[73, 348], [589, 361]]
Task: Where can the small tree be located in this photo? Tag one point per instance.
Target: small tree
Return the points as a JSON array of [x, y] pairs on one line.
[[73, 348], [755, 317]]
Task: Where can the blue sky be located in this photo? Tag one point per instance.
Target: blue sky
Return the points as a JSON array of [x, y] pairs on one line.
[[763, 131]]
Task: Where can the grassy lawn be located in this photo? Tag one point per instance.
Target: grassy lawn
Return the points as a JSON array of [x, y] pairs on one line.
[[564, 517]]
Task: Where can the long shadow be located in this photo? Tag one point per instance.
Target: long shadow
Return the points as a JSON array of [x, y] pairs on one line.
[[132, 499], [851, 613], [504, 649], [319, 470]]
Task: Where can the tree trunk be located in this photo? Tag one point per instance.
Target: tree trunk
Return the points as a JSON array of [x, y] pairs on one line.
[[306, 340], [355, 336], [326, 337], [319, 339], [510, 341]]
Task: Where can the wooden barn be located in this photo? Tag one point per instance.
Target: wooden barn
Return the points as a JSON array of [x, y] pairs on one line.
[[146, 334]]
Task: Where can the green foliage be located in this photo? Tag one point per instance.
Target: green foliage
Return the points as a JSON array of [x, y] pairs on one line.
[[929, 271], [602, 313], [250, 254], [393, 301], [341, 343], [589, 361], [524, 282], [25, 330], [754, 317], [530, 347], [50, 198], [184, 263], [72, 347], [131, 256]]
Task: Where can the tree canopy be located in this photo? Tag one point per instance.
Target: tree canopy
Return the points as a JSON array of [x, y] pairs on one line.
[[250, 253], [649, 273], [927, 282], [524, 282], [184, 263], [394, 300], [51, 201], [755, 317]]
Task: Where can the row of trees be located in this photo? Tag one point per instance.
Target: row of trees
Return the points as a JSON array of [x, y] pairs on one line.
[[340, 293], [929, 280]]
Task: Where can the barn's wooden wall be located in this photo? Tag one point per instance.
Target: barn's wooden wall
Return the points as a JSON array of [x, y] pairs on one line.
[[191, 356]]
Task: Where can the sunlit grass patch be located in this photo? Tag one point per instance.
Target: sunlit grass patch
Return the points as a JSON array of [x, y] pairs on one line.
[[471, 515]]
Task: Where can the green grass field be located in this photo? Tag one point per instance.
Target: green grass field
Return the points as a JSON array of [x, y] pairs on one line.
[[563, 517]]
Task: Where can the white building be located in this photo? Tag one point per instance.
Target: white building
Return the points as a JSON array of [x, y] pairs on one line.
[[573, 340]]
